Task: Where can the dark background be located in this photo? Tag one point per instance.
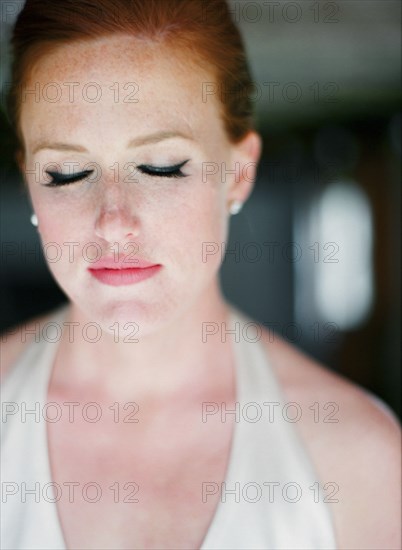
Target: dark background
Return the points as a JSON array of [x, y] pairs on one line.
[[316, 250]]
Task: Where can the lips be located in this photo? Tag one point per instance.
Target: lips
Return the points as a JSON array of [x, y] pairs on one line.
[[123, 271], [121, 262]]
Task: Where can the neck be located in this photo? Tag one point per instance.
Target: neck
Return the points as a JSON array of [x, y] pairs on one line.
[[178, 358]]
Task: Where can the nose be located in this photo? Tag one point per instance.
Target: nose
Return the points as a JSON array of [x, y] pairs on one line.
[[115, 221]]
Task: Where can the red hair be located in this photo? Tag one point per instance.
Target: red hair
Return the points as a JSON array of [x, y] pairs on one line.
[[203, 28]]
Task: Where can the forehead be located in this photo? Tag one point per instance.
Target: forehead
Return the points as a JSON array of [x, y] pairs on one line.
[[118, 84]]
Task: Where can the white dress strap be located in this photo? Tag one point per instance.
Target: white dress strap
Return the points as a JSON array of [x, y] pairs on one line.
[[268, 498], [28, 513]]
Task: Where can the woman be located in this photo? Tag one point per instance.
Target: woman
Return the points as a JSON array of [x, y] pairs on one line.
[[146, 430]]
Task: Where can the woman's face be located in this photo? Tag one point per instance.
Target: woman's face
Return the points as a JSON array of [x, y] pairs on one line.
[[124, 109]]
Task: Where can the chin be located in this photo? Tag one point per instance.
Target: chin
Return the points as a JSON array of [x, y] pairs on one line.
[[132, 313], [128, 320]]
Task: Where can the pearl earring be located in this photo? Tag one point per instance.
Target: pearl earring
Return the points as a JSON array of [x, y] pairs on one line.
[[235, 207], [34, 220]]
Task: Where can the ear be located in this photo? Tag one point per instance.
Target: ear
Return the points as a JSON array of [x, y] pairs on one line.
[[245, 157]]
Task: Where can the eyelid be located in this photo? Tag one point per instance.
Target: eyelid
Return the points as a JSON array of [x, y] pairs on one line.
[[65, 179], [170, 172], [162, 169], [60, 179]]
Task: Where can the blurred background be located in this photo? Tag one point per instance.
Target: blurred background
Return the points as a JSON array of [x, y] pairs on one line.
[[315, 253]]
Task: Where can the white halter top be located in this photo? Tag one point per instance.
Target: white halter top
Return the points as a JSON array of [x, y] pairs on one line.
[[268, 500]]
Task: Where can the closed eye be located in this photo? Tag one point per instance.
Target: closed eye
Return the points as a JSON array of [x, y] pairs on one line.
[[173, 171], [65, 179], [163, 171]]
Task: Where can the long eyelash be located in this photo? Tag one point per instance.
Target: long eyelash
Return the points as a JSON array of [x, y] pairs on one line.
[[163, 171], [65, 179], [158, 171]]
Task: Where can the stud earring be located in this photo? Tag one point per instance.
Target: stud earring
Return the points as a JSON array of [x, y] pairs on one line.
[[34, 220], [235, 207]]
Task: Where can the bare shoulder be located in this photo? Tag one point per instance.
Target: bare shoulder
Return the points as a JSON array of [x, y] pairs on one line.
[[15, 340], [354, 441]]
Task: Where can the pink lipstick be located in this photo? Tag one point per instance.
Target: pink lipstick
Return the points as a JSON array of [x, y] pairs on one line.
[[123, 271]]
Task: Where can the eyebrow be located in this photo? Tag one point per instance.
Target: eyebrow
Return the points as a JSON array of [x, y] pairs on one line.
[[137, 142]]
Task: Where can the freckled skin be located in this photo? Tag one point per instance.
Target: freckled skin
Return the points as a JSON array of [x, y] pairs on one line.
[[167, 219]]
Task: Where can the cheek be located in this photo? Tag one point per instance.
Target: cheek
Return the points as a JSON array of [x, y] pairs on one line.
[[60, 223], [61, 230], [199, 227], [66, 214]]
